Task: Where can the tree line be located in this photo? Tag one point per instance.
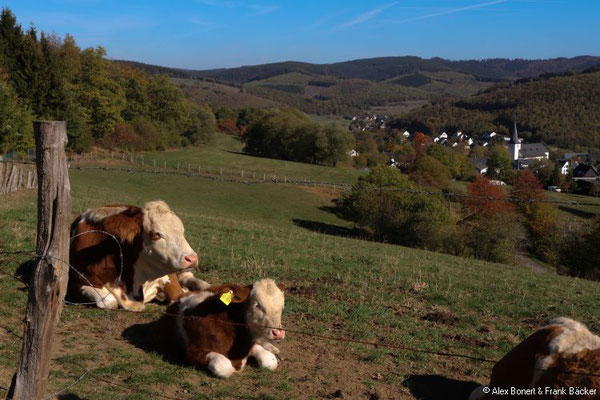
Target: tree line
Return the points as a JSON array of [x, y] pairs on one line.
[[105, 103], [289, 134]]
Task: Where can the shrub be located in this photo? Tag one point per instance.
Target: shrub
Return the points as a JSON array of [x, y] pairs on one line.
[[544, 226], [428, 171], [396, 216], [490, 237], [581, 256]]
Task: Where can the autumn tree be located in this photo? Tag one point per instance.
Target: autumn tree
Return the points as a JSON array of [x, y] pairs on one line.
[[486, 199], [420, 143]]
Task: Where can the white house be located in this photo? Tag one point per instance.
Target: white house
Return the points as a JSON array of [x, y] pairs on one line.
[[353, 153], [406, 134]]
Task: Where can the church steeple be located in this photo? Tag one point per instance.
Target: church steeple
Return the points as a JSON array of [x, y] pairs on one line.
[[514, 139], [514, 145]]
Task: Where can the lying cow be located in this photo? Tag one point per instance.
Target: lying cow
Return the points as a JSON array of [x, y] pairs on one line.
[[564, 354], [203, 330], [156, 256]]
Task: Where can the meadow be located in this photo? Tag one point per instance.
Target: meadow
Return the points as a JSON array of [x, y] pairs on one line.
[[225, 152], [338, 286]]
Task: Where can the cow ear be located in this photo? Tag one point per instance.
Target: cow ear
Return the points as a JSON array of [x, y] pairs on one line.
[[281, 287], [240, 293]]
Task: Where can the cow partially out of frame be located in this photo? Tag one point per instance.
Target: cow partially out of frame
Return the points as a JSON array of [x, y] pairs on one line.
[[156, 257], [561, 357]]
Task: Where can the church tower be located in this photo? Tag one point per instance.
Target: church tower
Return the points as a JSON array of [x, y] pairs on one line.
[[514, 146]]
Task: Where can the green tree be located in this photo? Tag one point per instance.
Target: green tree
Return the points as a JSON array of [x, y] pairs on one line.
[[338, 141], [500, 165], [202, 125], [16, 131], [384, 202], [99, 94]]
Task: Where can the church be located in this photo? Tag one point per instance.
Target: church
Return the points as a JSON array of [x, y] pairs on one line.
[[523, 154]]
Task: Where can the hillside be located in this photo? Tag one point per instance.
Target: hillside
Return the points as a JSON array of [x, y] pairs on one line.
[[558, 110], [337, 286], [386, 83]]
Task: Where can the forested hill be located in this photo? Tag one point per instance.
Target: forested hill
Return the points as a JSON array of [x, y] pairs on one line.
[[382, 68], [387, 85], [559, 110], [105, 104]]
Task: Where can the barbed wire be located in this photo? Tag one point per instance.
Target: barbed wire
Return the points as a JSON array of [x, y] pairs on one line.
[[379, 344], [101, 300], [347, 187], [273, 179]]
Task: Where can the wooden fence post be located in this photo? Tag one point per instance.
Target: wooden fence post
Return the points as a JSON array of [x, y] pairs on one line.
[[49, 280]]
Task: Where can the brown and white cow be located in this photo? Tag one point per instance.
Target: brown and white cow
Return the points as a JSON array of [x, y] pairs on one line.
[[201, 330], [562, 355], [156, 256]]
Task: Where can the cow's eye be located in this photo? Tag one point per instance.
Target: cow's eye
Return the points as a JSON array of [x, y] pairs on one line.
[[155, 236], [257, 305]]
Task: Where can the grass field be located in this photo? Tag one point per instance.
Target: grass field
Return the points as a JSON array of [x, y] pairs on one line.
[[226, 153], [337, 286]]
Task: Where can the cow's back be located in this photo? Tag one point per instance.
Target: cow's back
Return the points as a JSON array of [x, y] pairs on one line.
[[94, 255]]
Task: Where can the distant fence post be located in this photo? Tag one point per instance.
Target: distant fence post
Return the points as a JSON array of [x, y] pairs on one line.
[[49, 280]]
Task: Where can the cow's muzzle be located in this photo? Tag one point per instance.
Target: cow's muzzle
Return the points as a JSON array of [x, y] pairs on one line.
[[190, 261]]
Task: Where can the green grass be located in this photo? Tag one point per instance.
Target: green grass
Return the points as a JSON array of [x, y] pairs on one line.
[[226, 153], [338, 286]]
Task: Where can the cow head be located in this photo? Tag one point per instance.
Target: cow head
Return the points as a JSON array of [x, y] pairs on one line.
[[164, 246], [264, 305]]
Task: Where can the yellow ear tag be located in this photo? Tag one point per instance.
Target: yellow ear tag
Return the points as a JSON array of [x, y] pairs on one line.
[[226, 297]]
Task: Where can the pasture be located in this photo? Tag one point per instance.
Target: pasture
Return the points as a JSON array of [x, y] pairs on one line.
[[338, 286], [226, 153]]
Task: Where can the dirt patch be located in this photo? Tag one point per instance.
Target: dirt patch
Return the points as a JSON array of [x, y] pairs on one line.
[[470, 342], [441, 317]]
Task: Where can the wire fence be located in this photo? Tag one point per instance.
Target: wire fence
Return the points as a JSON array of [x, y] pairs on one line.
[[89, 371], [246, 177]]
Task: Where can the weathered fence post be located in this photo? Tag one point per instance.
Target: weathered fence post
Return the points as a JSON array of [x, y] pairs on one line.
[[49, 279]]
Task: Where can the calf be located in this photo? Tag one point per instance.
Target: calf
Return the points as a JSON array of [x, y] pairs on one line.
[[156, 258], [206, 330], [562, 355]]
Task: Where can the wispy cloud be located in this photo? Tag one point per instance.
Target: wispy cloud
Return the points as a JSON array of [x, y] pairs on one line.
[[367, 15], [452, 11]]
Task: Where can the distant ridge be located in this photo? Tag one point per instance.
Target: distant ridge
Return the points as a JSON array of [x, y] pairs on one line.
[[382, 68]]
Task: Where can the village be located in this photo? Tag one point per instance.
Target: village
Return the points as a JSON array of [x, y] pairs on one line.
[[580, 170]]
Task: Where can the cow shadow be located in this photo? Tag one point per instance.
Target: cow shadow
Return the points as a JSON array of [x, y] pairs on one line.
[[142, 336], [437, 387]]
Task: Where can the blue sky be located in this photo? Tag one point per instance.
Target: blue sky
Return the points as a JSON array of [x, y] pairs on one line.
[[202, 34]]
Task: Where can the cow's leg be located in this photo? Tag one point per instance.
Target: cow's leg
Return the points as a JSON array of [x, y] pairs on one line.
[[101, 296], [270, 347], [188, 280], [219, 365], [263, 357]]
